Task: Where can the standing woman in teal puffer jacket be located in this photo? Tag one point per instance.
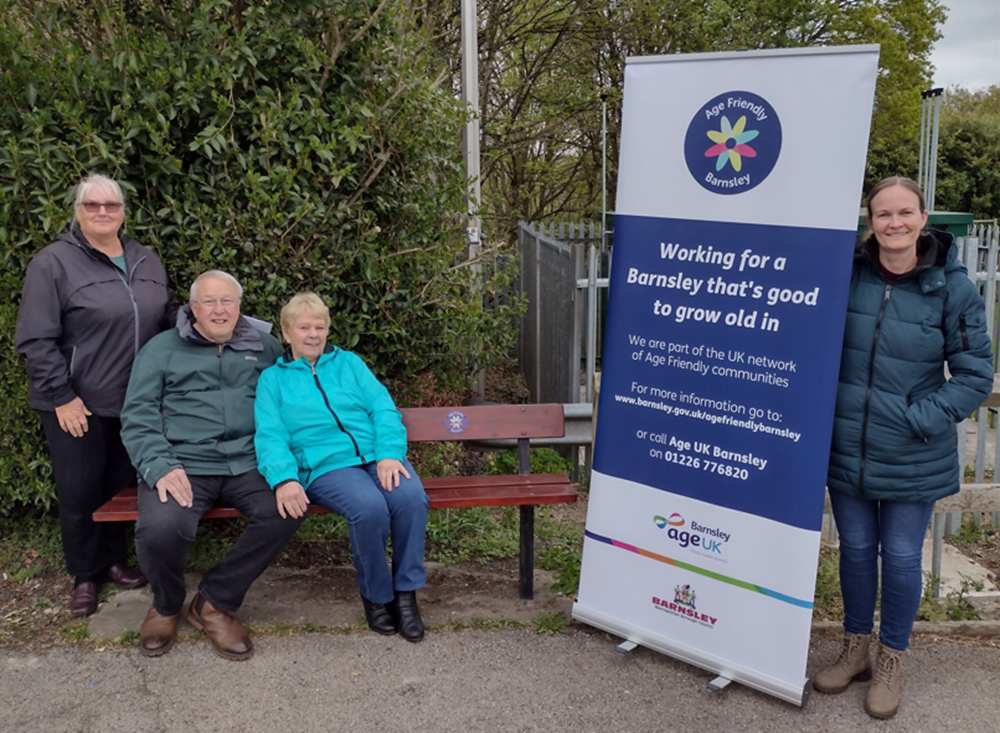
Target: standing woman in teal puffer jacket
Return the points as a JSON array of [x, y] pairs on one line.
[[912, 311], [327, 431]]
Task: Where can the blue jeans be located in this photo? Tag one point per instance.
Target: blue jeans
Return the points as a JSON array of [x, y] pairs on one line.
[[373, 515], [896, 529]]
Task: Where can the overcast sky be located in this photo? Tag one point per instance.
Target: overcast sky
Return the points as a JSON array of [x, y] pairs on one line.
[[968, 53]]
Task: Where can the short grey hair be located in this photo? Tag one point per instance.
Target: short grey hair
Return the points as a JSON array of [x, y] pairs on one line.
[[96, 180], [218, 275]]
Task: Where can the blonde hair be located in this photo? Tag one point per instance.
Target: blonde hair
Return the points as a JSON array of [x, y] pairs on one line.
[[301, 304]]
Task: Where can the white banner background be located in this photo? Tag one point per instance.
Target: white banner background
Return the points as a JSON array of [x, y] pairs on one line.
[[747, 603]]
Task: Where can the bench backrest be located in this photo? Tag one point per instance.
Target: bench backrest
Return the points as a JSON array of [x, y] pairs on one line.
[[483, 422]]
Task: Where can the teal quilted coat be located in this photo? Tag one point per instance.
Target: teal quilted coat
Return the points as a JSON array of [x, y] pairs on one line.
[[894, 428]]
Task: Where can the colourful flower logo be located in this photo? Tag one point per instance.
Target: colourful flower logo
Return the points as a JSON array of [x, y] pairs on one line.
[[731, 144]]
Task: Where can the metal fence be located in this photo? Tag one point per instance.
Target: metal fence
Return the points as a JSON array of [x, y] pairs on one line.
[[554, 278], [554, 327], [978, 446]]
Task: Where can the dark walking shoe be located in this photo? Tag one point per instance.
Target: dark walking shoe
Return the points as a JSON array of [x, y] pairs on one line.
[[157, 633], [83, 599], [411, 626], [125, 577], [229, 638], [379, 617]]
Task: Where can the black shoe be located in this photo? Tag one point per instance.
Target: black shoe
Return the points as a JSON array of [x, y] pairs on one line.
[[411, 626], [379, 617]]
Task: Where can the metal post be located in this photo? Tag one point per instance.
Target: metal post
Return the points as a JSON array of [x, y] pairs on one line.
[[470, 95], [936, 548], [593, 261], [931, 191], [526, 561], [923, 142]]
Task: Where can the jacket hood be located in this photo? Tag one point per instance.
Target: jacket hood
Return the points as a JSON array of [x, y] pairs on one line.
[[286, 359], [246, 336], [74, 236], [937, 255]]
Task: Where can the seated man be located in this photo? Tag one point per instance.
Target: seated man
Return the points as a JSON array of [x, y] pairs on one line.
[[188, 426]]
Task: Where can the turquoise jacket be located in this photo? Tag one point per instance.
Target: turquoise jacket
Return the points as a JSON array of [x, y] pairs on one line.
[[313, 419]]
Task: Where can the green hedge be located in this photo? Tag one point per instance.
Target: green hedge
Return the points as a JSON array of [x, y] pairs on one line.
[[297, 144]]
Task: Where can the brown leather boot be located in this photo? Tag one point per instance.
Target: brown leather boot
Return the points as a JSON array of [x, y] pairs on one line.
[[229, 638], [852, 664], [886, 690], [157, 633]]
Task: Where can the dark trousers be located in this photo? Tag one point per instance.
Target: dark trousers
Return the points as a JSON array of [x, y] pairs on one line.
[[88, 471], [165, 532]]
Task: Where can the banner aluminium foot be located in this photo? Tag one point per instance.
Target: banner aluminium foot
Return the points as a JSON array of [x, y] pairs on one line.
[[738, 190]]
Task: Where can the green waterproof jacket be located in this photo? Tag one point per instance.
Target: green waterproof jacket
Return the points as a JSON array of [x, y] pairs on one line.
[[189, 402], [316, 418], [894, 428]]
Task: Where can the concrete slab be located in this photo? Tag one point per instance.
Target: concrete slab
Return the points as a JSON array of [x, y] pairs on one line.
[[956, 567], [328, 598]]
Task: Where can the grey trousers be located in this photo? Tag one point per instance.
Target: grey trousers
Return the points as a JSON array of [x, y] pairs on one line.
[[165, 532]]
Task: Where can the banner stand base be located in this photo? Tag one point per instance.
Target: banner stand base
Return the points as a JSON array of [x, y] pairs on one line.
[[793, 693], [626, 647], [718, 684]]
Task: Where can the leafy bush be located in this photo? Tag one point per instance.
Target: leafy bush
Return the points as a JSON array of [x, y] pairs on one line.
[[307, 144]]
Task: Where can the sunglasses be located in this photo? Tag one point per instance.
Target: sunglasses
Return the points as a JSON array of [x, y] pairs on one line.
[[92, 207]]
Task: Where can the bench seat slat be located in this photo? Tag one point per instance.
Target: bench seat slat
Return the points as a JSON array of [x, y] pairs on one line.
[[444, 492]]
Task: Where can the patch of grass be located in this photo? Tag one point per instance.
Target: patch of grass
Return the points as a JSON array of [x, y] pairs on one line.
[[323, 528], [30, 545], [550, 623], [213, 542], [128, 638], [75, 632], [543, 460], [969, 533], [828, 603], [559, 547], [484, 624], [282, 629], [955, 606], [480, 534]]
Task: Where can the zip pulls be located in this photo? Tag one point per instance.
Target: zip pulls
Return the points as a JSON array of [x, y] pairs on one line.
[[326, 401], [886, 294]]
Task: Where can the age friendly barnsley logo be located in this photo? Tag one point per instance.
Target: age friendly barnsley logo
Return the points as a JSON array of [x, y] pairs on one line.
[[733, 142], [456, 422]]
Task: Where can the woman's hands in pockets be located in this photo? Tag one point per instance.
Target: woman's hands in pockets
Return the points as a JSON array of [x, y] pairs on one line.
[[389, 471], [292, 500]]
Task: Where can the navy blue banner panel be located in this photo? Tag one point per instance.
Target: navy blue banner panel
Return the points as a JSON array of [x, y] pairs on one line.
[[720, 362]]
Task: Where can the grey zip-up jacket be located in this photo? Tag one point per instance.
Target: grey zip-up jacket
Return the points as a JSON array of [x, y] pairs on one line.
[[82, 320]]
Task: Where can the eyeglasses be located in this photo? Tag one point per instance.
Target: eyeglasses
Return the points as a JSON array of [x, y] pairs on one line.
[[92, 207], [226, 303]]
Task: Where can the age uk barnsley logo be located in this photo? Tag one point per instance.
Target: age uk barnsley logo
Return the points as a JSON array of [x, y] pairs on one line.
[[700, 538], [733, 142]]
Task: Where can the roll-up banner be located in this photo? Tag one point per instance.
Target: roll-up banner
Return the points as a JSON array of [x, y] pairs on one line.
[[737, 208]]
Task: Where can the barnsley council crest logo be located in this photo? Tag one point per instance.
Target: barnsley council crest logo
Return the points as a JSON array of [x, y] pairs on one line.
[[733, 142]]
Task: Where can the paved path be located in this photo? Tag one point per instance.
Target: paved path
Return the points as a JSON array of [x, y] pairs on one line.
[[466, 681]]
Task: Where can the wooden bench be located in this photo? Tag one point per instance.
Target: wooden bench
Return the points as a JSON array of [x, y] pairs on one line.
[[440, 424]]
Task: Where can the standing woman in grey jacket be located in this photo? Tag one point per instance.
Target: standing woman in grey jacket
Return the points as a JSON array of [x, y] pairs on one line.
[[912, 310], [91, 299]]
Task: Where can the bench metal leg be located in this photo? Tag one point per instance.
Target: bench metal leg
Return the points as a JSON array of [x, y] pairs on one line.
[[527, 559]]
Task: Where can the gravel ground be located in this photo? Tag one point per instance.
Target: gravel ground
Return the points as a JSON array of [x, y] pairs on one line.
[[469, 681]]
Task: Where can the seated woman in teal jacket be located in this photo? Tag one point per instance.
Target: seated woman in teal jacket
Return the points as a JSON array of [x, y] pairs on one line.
[[329, 432]]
